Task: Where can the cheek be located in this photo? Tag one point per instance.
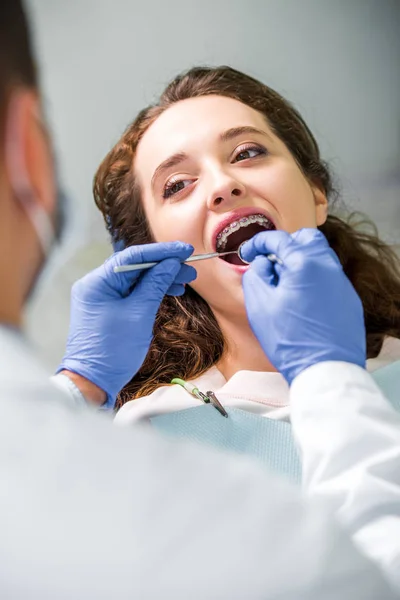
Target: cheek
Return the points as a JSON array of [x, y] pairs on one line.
[[292, 197], [169, 230], [174, 222]]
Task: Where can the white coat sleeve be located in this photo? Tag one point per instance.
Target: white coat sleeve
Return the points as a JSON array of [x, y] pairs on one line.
[[73, 396], [92, 512], [70, 391], [349, 439]]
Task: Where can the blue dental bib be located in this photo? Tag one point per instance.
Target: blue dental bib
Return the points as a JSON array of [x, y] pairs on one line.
[[267, 440]]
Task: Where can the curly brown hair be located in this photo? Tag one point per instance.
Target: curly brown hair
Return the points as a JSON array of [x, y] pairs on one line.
[[187, 339]]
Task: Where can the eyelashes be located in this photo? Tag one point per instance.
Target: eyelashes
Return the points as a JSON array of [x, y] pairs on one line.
[[173, 187], [247, 149], [245, 152]]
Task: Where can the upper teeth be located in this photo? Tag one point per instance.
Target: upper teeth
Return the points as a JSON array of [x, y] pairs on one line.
[[236, 225]]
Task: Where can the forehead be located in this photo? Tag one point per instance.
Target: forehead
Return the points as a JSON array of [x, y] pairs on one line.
[[192, 124]]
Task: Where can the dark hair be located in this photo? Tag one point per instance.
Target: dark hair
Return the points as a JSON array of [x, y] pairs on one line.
[[17, 65], [187, 339]]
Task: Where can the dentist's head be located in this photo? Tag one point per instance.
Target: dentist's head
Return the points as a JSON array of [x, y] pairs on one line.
[[29, 216]]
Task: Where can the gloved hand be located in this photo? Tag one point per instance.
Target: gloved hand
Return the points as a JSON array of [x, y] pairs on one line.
[[305, 311], [111, 326]]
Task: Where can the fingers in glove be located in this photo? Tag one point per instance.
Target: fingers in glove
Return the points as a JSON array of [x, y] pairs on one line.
[[151, 253], [176, 289], [316, 245], [265, 269], [154, 283], [186, 274], [123, 283], [309, 235], [261, 271], [266, 242]]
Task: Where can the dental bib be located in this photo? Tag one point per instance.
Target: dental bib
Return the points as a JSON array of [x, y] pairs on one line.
[[268, 441]]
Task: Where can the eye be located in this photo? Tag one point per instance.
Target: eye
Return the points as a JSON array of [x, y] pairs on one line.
[[173, 186], [249, 152]]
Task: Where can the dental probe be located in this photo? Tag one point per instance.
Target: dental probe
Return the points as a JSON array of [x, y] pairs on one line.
[[195, 257]]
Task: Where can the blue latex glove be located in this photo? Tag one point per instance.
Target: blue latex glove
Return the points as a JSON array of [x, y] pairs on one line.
[[305, 311], [111, 326]]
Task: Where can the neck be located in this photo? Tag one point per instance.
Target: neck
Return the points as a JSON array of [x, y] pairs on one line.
[[243, 352]]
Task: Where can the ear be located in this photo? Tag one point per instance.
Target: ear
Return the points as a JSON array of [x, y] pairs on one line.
[[28, 153], [321, 204]]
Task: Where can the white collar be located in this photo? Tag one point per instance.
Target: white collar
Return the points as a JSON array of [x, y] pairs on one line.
[[270, 387], [264, 387]]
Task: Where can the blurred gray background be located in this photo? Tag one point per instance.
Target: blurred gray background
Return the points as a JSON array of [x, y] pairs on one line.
[[101, 61]]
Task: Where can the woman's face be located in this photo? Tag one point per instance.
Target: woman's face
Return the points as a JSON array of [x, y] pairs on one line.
[[211, 161]]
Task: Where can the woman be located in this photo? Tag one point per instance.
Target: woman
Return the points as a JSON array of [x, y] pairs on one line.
[[218, 159]]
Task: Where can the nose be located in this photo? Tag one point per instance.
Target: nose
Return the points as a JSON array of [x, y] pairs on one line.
[[224, 192]]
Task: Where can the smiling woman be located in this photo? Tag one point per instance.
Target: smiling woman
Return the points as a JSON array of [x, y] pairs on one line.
[[218, 159]]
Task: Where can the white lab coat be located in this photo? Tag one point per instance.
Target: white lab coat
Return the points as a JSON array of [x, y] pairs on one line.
[[354, 484], [91, 511]]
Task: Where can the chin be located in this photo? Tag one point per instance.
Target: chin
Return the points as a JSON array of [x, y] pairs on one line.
[[227, 297]]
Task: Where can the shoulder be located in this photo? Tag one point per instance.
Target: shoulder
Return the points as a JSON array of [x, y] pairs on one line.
[[167, 398], [22, 376], [389, 353], [18, 362]]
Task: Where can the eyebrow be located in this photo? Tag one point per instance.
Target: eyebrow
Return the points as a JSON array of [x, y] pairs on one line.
[[234, 132], [170, 162], [225, 136]]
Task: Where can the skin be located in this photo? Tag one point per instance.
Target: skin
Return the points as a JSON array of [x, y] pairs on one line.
[[215, 177], [30, 153], [30, 158]]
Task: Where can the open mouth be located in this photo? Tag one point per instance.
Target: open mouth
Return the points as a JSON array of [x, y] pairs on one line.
[[239, 231]]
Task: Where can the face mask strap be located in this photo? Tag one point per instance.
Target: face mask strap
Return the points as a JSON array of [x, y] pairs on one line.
[[19, 179]]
